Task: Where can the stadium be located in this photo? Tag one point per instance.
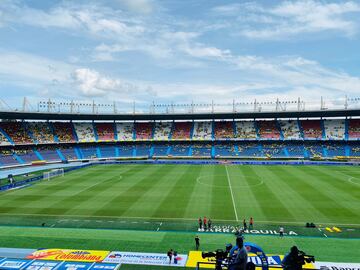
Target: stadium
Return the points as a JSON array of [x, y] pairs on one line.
[[152, 136]]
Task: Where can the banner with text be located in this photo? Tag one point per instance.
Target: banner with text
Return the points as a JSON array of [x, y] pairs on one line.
[[145, 258]]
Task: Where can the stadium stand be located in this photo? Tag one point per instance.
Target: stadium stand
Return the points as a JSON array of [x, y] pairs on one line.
[[268, 130], [162, 131], [295, 150], [334, 129], [143, 131], [4, 140], [17, 132], [290, 129], [105, 131], [125, 131], [225, 150], [142, 150], [69, 152], [271, 150], [202, 131], [247, 149], [245, 130], [314, 150], [182, 131], [201, 150], [108, 150], [7, 158], [48, 153], [354, 149], [41, 132], [64, 132], [224, 130], [312, 129], [26, 154], [354, 129], [85, 132], [88, 152], [161, 150], [180, 150], [126, 150], [58, 141]]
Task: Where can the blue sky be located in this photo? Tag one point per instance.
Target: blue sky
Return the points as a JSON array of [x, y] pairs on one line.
[[179, 51]]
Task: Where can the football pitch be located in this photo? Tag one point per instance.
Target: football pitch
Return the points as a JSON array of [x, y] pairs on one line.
[[151, 206], [288, 195]]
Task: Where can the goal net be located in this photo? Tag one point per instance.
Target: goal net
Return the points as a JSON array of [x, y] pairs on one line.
[[53, 173]]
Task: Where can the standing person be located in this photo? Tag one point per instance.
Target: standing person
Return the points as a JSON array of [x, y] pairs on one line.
[[197, 242], [291, 260], [251, 223], [175, 257], [205, 223], [244, 225], [281, 231], [169, 254], [200, 224], [209, 224], [241, 256]]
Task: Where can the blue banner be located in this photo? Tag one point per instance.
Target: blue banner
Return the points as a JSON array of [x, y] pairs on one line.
[[48, 265], [13, 264], [75, 266], [105, 266]]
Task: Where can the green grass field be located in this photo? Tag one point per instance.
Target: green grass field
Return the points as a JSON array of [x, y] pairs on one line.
[[171, 198]]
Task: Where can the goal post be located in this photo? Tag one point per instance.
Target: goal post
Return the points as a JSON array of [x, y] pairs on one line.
[[53, 173]]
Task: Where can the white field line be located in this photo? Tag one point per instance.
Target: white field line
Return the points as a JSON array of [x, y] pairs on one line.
[[231, 191], [174, 218], [159, 227]]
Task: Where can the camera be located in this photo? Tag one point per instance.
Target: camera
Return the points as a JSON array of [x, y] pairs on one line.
[[219, 256], [304, 258]]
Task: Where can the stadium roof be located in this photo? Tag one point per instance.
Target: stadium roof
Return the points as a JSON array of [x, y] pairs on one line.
[[179, 116]]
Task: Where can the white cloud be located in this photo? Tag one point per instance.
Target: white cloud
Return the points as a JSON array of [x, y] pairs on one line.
[[93, 84], [140, 6], [290, 18], [92, 19], [27, 66]]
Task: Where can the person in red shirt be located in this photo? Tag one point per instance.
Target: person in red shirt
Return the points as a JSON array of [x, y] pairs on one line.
[[251, 223], [205, 223]]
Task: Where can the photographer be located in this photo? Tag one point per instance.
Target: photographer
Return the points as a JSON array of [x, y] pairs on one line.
[[291, 260]]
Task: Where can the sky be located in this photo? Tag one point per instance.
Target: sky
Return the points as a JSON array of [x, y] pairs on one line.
[[179, 51]]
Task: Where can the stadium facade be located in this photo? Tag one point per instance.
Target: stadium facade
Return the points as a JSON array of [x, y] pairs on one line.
[[31, 138]]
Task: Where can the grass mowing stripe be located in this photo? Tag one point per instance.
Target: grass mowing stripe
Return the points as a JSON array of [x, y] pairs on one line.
[[83, 196], [120, 200], [246, 194], [268, 196], [220, 197], [340, 183], [340, 208], [198, 204], [179, 192], [305, 199], [231, 192], [151, 198], [16, 204]]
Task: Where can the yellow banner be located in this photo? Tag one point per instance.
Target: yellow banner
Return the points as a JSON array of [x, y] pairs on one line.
[[273, 260], [74, 255]]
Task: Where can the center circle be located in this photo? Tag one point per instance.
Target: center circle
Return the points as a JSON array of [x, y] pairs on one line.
[[202, 180], [354, 180]]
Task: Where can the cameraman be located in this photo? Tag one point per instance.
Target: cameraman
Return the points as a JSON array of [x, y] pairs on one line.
[[240, 256], [291, 260]]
